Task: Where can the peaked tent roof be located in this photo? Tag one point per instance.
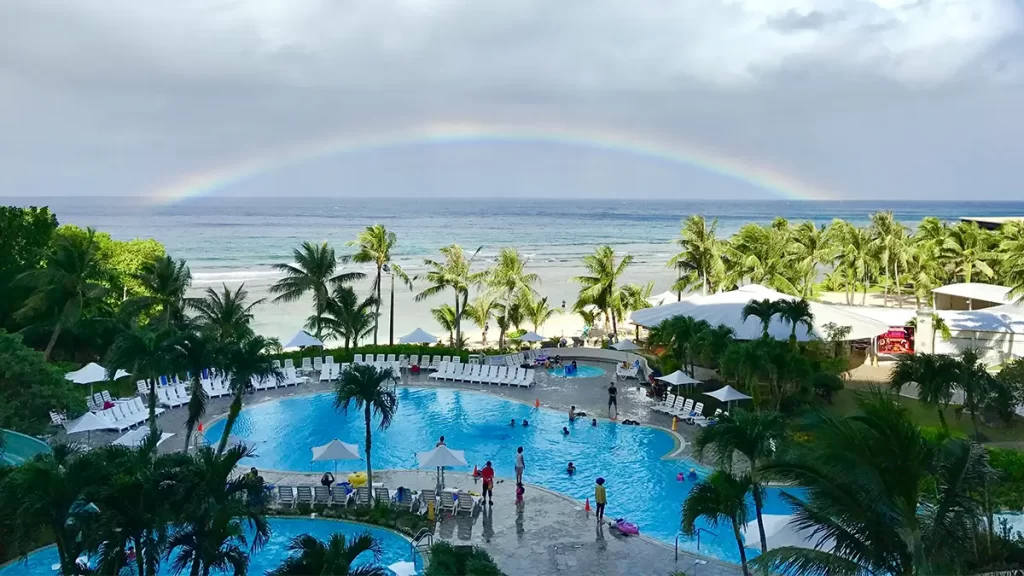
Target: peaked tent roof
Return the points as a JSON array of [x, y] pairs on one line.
[[335, 450], [303, 339], [531, 336], [418, 336], [727, 307], [625, 345], [976, 291], [727, 394], [92, 372], [678, 378], [87, 423], [441, 456]]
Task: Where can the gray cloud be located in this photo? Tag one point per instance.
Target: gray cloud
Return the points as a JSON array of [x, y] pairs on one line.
[[872, 98]]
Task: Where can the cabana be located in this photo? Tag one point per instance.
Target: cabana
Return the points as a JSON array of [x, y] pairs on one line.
[[970, 296]]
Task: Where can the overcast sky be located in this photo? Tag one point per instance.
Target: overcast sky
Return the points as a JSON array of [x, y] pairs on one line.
[[902, 99]]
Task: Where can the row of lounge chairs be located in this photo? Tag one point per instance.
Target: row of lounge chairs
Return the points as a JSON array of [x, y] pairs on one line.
[[686, 410], [291, 496], [97, 401], [128, 414], [500, 375], [319, 364]]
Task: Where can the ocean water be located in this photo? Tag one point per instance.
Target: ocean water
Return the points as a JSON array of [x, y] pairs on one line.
[[236, 240]]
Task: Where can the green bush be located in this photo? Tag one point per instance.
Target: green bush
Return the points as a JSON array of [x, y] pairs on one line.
[[402, 521], [1009, 492], [448, 560]]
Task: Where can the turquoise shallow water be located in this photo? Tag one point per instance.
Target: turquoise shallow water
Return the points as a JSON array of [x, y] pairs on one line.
[[582, 371], [642, 485], [396, 548]]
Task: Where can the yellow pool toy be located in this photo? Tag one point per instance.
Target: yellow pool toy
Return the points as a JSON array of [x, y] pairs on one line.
[[357, 479]]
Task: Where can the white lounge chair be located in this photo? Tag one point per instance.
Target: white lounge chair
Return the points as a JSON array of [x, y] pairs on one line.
[[391, 359], [666, 406], [624, 373], [357, 359], [427, 497], [466, 503], [318, 363], [403, 500], [303, 494], [414, 360], [321, 495], [683, 412], [435, 361], [448, 501], [307, 365], [381, 496], [704, 422], [286, 496], [380, 359], [361, 496], [697, 413]]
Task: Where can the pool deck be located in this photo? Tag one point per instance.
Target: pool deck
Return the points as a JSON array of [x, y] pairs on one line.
[[550, 534]]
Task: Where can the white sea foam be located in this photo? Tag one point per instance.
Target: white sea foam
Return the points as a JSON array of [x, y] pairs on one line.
[[199, 278]]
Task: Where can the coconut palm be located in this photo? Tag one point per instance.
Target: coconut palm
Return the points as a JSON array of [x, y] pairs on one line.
[[508, 316], [315, 272], [165, 281], [246, 361], [633, 297], [480, 310], [222, 514], [699, 261], [66, 286], [310, 555], [924, 270], [743, 363], [794, 313], [967, 249], [195, 351], [509, 278], [366, 387], [1011, 268], [809, 248], [853, 258], [764, 310], [682, 334], [939, 328], [143, 351], [720, 499], [600, 287], [376, 245], [976, 382], [758, 254], [454, 273], [935, 376], [868, 515], [347, 318], [750, 435], [536, 310], [712, 344], [227, 315], [889, 245], [445, 316]]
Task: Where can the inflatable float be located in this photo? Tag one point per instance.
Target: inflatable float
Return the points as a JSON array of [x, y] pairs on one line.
[[357, 479], [627, 528]]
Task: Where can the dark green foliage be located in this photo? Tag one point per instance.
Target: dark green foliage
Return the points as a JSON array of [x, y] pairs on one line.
[[30, 388], [825, 385], [449, 560], [25, 235], [1008, 492]]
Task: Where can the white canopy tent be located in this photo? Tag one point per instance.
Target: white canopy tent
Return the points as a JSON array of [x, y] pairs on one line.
[[531, 337], [87, 423], [727, 307], [728, 395], [625, 345], [335, 450], [665, 297], [678, 378], [418, 336], [970, 296], [303, 339], [439, 458], [92, 372]]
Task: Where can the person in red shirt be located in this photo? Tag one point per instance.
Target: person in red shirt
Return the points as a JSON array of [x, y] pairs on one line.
[[487, 479]]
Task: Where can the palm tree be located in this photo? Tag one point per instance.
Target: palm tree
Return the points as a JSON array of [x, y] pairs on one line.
[[196, 351], [480, 310], [764, 310], [335, 557], [536, 310], [976, 382], [682, 334], [935, 376], [809, 248], [1011, 246], [699, 261], [508, 277], [445, 316], [454, 273], [68, 284], [719, 499], [712, 344], [216, 520], [376, 245], [600, 287], [634, 297], [917, 517], [794, 313], [145, 352], [889, 244], [315, 271], [166, 281], [246, 361], [749, 434], [743, 363], [508, 316], [968, 248], [852, 256], [757, 254], [348, 318], [226, 315], [366, 387]]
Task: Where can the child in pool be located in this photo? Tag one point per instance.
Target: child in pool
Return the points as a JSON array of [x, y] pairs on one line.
[[525, 422], [512, 423], [565, 431], [570, 469], [593, 422]]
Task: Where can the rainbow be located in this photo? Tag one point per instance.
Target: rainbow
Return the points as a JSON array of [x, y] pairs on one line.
[[214, 179]]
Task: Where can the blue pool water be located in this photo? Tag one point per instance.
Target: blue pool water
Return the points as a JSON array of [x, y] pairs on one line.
[[395, 547], [581, 372], [641, 484]]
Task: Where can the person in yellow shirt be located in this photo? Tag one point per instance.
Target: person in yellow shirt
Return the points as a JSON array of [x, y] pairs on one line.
[[600, 498]]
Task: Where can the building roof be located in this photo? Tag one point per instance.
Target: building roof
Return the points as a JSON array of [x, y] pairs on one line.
[[977, 291], [1002, 319], [990, 222]]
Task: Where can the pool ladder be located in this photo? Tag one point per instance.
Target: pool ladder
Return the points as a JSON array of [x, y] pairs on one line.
[[424, 539], [680, 535]]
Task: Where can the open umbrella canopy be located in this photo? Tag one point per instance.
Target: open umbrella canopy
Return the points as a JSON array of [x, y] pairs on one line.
[[531, 337], [403, 568], [87, 423], [303, 339], [92, 372], [138, 437], [678, 378], [441, 456], [727, 394], [779, 531], [335, 450], [418, 336], [625, 346]]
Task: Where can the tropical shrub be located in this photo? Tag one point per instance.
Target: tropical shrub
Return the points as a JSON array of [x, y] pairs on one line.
[[449, 560], [30, 388], [1009, 490]]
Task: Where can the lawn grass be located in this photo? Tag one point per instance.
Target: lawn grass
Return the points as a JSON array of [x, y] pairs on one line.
[[844, 403]]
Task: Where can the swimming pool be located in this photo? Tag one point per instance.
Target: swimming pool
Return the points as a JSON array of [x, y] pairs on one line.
[[641, 485], [582, 371], [395, 547], [16, 448]]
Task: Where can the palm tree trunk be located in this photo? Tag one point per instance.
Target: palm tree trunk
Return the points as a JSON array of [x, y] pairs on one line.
[[615, 328], [53, 340], [347, 342], [67, 566], [140, 563], [458, 321], [152, 407], [391, 318], [236, 407], [899, 292], [743, 552], [376, 321], [758, 507], [369, 469], [196, 567]]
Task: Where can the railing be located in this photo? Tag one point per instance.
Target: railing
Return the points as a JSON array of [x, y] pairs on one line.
[[699, 530], [422, 536]]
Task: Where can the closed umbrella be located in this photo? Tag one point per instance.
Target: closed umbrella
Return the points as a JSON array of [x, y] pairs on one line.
[[303, 339], [418, 336], [335, 450]]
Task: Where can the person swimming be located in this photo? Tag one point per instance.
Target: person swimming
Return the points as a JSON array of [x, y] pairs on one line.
[[512, 423], [565, 431], [572, 413], [525, 422], [570, 469], [593, 422]]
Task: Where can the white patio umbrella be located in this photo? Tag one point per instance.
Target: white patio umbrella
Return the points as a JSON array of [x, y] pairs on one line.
[[91, 373], [531, 337], [303, 339], [87, 423], [335, 450], [779, 532], [625, 345], [138, 437], [403, 568], [727, 394], [439, 458], [418, 336], [678, 378]]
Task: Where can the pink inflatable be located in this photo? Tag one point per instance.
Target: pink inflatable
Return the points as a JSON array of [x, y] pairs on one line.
[[627, 527]]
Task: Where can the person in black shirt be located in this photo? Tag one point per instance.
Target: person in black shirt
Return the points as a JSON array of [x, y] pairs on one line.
[[612, 401]]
